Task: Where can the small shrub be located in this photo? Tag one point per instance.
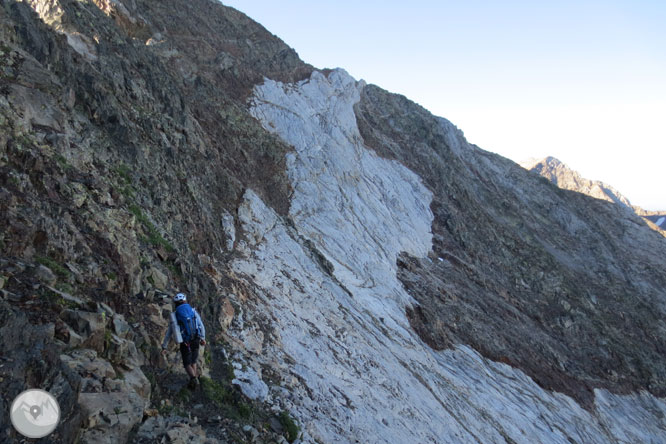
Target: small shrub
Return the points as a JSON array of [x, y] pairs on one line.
[[54, 266], [154, 237], [123, 172], [127, 191], [174, 269], [290, 427], [107, 340], [245, 410], [164, 409], [65, 287], [62, 162], [67, 304], [184, 395], [215, 392]]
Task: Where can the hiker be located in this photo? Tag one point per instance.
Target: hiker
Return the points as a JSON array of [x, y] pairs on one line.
[[189, 332]]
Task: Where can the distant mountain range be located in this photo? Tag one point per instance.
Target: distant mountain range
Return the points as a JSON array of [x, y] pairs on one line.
[[566, 178]]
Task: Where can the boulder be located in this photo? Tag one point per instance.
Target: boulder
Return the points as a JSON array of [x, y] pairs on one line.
[[250, 384], [45, 275], [91, 327], [105, 310], [86, 363], [229, 230], [173, 429], [137, 381], [74, 339], [109, 417], [123, 351], [155, 316], [160, 280], [120, 326]]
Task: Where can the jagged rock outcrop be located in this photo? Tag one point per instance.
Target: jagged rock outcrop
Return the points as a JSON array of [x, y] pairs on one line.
[[568, 179], [364, 273]]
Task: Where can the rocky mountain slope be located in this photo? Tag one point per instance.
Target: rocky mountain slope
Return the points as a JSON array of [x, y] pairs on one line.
[[365, 274], [568, 179]]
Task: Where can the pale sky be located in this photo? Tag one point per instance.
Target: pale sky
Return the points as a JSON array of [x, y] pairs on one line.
[[583, 81]]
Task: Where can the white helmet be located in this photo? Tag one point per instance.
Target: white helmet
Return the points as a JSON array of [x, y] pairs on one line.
[[179, 297]]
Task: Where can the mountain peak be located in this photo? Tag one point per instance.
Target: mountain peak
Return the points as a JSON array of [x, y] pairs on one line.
[[564, 177]]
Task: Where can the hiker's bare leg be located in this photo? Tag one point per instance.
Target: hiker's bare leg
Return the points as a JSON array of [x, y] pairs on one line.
[[194, 370], [191, 370]]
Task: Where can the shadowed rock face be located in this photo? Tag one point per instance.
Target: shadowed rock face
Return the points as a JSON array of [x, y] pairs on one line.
[[152, 118], [124, 139], [525, 273]]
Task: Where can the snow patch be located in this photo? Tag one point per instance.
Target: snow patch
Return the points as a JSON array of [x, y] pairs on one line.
[[660, 221]]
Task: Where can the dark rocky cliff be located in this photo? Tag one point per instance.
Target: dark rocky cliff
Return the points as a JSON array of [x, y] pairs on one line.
[[127, 150], [532, 275], [124, 138]]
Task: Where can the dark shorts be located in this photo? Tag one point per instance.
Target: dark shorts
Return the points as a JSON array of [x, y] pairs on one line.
[[190, 353]]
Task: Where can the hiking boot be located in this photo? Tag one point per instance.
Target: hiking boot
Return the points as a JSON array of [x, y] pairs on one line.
[[193, 383]]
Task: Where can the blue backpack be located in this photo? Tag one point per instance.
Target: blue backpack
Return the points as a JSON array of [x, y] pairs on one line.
[[187, 322]]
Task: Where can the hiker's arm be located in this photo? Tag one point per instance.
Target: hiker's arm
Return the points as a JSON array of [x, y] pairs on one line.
[[167, 337]]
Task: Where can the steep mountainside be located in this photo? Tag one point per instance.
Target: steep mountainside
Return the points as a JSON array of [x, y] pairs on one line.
[[568, 179], [365, 274]]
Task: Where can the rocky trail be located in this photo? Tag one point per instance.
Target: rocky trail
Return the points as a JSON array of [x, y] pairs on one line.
[[214, 411], [125, 395]]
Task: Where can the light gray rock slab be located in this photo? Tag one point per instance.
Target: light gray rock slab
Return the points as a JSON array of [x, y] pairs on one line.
[[250, 384], [377, 381]]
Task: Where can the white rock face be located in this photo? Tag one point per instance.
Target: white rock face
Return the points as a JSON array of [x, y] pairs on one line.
[[353, 369], [250, 384], [229, 230], [359, 209]]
